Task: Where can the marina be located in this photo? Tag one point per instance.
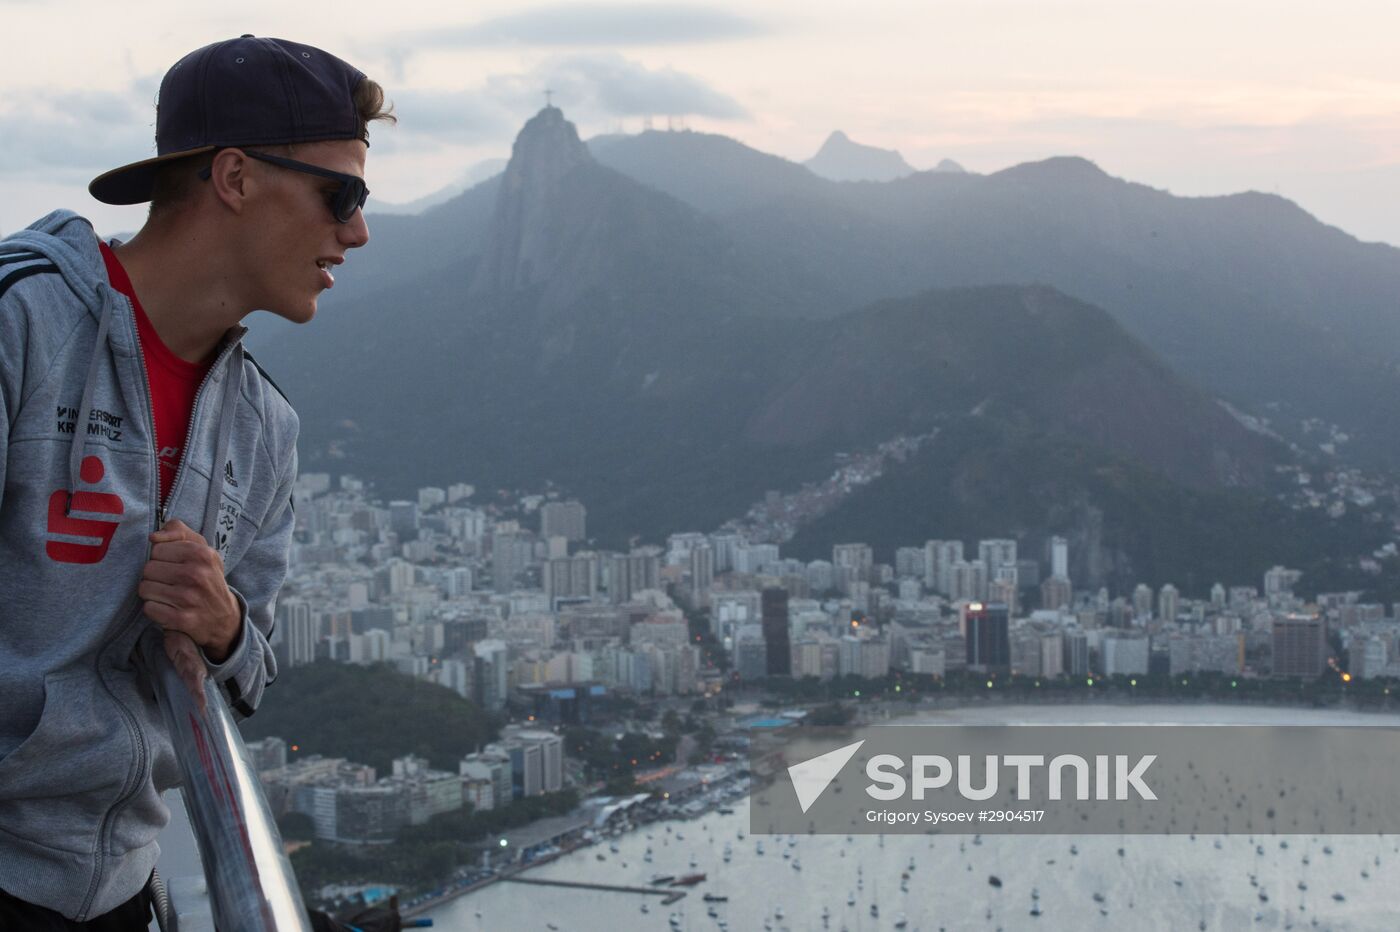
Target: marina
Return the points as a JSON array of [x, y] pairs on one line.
[[859, 884]]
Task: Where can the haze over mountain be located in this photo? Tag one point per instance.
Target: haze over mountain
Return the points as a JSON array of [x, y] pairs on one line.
[[565, 322], [1246, 295], [473, 176], [843, 159]]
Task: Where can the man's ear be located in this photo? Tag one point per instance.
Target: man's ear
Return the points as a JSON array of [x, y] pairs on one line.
[[229, 176]]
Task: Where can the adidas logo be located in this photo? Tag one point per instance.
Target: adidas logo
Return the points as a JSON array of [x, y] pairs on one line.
[[228, 474]]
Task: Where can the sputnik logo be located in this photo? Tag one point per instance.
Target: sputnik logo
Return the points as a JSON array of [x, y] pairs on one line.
[[98, 533], [811, 777]]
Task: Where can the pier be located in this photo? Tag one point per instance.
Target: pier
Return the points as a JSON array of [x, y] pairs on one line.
[[669, 895]]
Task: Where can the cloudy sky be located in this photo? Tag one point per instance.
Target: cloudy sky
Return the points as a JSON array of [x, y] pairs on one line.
[[1199, 98]]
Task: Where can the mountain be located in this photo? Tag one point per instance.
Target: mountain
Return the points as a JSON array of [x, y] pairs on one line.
[[842, 159], [564, 322], [1022, 355], [948, 165], [473, 176], [1246, 295], [713, 173], [1125, 522]]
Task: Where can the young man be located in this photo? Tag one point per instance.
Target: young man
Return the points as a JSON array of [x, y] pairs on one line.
[[146, 462]]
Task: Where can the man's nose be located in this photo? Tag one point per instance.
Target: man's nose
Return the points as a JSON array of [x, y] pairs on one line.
[[355, 233]]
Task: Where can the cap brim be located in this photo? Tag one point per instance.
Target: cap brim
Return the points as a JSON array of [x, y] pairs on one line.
[[132, 184]]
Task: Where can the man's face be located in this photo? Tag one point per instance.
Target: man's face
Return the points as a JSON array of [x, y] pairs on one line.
[[297, 242]]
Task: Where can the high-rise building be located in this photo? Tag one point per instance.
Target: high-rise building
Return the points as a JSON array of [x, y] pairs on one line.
[[1027, 573], [1368, 657], [702, 574], [1279, 582], [987, 630], [867, 657], [403, 519], [908, 561], [1059, 557], [750, 653], [968, 581], [632, 573], [299, 631], [376, 646], [939, 559], [563, 519], [1142, 602], [731, 610], [928, 660], [1052, 655], [859, 557], [1055, 593], [724, 545], [996, 553], [267, 754], [679, 545], [573, 577], [1076, 659], [491, 674], [775, 632], [1300, 645], [511, 553], [1168, 603], [1208, 652], [752, 558], [820, 577], [1026, 655], [457, 676], [536, 759], [402, 574], [1124, 654]]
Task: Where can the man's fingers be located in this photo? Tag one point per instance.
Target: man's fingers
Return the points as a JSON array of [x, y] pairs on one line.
[[167, 616], [172, 572], [183, 551], [175, 529], [151, 590]]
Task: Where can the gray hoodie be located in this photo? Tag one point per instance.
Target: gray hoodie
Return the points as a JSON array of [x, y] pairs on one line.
[[84, 755]]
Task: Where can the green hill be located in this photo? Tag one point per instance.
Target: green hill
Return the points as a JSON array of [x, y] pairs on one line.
[[369, 715], [1125, 523]]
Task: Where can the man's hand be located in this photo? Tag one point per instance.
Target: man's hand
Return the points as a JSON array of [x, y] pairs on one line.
[[184, 590]]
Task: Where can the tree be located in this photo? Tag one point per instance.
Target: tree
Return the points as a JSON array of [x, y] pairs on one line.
[[296, 826]]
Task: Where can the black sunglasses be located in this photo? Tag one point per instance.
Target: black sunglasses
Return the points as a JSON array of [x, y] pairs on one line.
[[343, 202]]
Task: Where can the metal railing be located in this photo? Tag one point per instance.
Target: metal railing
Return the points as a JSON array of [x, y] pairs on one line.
[[251, 884]]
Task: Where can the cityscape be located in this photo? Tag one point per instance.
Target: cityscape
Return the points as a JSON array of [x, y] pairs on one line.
[[694, 644]]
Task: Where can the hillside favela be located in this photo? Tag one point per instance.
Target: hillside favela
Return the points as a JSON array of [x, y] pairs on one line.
[[649, 448]]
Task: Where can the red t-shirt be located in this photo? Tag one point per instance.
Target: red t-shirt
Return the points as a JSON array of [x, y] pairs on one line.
[[173, 382]]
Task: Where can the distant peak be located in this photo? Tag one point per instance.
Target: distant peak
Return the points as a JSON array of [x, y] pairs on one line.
[[546, 148], [948, 165], [843, 159], [1060, 168]]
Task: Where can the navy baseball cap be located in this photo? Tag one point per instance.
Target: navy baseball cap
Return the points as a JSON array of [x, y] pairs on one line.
[[241, 92]]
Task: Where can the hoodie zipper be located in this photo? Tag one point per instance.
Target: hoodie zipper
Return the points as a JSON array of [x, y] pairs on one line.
[[216, 475], [136, 781]]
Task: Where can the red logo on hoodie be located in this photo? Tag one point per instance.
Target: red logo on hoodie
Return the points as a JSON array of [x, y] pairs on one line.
[[98, 532]]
